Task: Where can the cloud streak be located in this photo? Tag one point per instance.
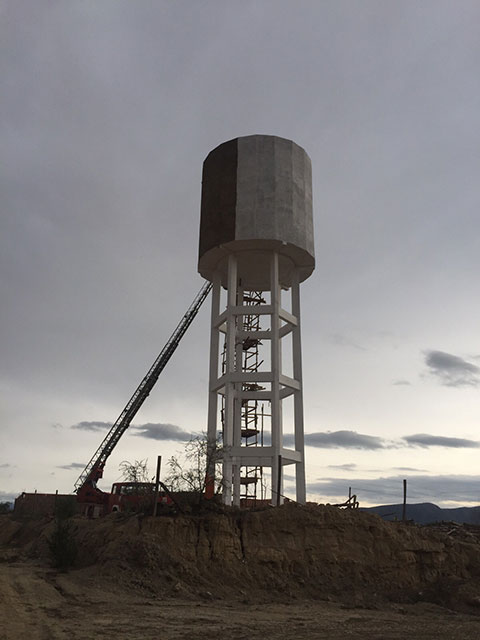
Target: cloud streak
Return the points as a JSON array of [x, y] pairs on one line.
[[451, 370], [162, 431], [92, 426], [352, 440], [72, 465], [425, 440], [344, 440], [349, 466], [152, 430]]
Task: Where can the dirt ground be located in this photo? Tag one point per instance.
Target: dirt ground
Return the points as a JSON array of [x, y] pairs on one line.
[[289, 574], [40, 604]]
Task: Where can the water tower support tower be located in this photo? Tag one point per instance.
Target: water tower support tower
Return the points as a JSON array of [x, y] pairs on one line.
[[256, 236]]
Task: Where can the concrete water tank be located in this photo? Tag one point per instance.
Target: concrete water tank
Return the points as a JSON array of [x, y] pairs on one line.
[[257, 198]]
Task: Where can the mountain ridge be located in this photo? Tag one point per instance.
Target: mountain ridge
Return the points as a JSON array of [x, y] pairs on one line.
[[427, 513]]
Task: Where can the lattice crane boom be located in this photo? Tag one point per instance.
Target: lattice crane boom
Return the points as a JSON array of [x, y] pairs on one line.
[[94, 469]]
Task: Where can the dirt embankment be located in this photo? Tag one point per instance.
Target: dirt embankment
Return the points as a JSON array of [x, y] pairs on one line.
[[272, 555], [292, 573]]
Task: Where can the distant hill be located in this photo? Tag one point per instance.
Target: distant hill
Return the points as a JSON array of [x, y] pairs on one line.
[[426, 512]]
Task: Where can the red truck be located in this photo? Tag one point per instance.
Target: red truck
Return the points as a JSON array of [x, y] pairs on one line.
[[135, 496]]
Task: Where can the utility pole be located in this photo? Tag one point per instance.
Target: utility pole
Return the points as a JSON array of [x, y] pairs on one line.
[[157, 485]]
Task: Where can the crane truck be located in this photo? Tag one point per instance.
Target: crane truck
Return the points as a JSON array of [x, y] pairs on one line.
[[93, 500]]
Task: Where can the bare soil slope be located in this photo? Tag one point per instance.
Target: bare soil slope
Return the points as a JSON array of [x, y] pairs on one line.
[[303, 572]]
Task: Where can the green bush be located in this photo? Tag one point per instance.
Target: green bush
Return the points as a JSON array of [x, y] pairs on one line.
[[5, 507], [62, 545], [65, 507]]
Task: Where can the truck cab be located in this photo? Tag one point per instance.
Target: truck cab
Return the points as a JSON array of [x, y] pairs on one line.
[[135, 496]]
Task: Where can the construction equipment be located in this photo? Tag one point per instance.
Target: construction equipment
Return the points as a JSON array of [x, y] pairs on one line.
[[86, 485], [140, 496]]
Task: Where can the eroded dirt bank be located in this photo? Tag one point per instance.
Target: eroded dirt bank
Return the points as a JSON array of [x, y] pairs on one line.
[[304, 572]]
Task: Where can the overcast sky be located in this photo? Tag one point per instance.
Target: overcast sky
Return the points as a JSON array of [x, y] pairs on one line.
[[107, 111]]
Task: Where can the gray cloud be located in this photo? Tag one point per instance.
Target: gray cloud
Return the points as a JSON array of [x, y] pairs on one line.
[[353, 440], [437, 489], [92, 426], [345, 467], [72, 465], [160, 431], [409, 469], [425, 440], [5, 465], [399, 383], [154, 431], [451, 370], [344, 440]]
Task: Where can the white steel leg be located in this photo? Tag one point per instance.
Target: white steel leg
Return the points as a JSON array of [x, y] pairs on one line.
[[275, 350], [230, 369], [298, 395], [213, 376]]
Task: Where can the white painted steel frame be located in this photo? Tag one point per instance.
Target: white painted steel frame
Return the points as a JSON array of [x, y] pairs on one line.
[[232, 381]]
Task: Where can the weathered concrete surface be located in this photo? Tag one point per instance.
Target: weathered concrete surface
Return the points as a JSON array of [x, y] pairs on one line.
[[257, 197]]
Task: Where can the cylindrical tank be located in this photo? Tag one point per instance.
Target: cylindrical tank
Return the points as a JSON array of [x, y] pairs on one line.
[[257, 199]]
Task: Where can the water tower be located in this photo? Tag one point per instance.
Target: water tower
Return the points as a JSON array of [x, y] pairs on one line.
[[256, 239]]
